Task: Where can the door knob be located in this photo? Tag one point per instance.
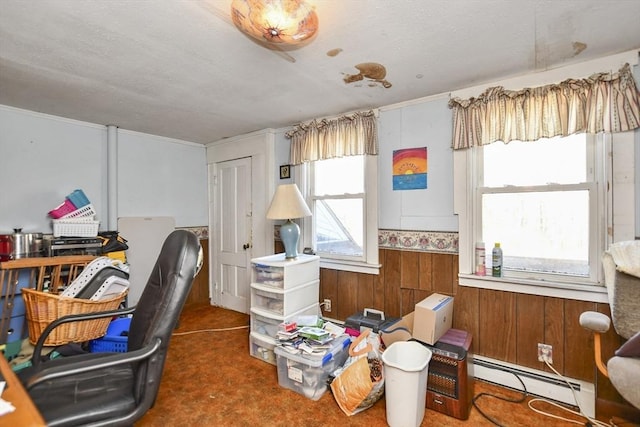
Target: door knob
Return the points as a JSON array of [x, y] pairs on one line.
[[246, 246]]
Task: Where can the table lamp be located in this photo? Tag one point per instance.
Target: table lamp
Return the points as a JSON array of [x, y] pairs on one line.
[[288, 204]]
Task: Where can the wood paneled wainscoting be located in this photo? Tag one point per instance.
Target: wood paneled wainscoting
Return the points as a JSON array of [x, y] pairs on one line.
[[506, 326], [200, 288]]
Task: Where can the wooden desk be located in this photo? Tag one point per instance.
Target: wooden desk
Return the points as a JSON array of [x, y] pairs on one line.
[[26, 413]]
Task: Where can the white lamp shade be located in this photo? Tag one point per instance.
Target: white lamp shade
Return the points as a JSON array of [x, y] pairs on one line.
[[288, 203]]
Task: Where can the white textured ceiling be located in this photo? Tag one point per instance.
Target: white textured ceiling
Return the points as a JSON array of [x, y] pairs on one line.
[[176, 68]]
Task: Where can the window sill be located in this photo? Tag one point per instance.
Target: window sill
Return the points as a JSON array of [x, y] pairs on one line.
[[356, 267], [537, 287]]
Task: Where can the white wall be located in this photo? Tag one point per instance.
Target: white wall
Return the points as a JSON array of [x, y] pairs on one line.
[[427, 123], [43, 158], [283, 157], [162, 177], [424, 123]]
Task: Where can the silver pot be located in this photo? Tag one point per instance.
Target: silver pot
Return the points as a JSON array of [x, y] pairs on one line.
[[20, 245]]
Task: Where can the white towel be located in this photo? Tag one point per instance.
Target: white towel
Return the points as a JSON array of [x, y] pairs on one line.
[[626, 255]]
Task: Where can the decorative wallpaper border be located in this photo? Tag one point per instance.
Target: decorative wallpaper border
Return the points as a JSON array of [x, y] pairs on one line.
[[201, 232], [423, 241], [408, 240]]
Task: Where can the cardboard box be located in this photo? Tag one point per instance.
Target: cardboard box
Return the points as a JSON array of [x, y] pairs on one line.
[[399, 331], [432, 318]]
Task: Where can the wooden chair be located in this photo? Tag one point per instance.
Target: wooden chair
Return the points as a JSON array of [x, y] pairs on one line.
[[51, 273]]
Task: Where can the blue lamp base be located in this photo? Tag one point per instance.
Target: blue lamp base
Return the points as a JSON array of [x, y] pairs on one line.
[[290, 233]]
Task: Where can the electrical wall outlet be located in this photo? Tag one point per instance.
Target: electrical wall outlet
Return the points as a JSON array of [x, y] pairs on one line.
[[545, 352], [327, 305]]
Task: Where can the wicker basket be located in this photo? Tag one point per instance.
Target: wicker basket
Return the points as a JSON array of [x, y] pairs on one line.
[[44, 307]]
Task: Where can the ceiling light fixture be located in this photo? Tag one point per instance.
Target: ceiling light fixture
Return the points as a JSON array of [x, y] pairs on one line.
[[285, 22]]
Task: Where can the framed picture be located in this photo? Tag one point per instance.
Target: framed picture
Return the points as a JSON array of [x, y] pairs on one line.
[[410, 169], [285, 171]]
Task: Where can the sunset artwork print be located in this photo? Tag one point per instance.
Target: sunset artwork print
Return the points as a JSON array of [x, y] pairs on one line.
[[410, 169]]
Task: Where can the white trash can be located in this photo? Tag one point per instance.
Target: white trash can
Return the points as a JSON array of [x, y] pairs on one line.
[[406, 366]]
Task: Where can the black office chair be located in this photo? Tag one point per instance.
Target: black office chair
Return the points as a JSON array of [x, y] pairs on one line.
[[116, 389]]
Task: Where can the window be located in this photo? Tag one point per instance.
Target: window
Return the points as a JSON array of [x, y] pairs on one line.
[[559, 219], [546, 203], [338, 203], [342, 195], [539, 200]]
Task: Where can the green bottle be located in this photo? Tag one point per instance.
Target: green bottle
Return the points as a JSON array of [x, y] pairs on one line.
[[496, 261]]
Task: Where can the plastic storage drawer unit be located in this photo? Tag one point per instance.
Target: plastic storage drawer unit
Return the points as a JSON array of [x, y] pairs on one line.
[[308, 375], [282, 302], [277, 272], [261, 347]]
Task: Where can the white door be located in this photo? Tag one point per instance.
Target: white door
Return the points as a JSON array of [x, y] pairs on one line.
[[232, 237]]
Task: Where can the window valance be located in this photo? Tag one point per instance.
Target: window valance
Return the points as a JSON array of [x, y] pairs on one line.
[[348, 135], [604, 102]]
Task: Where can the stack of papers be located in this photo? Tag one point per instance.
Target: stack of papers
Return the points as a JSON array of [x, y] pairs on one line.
[[287, 336], [309, 320], [334, 330], [318, 335], [312, 338], [314, 349]]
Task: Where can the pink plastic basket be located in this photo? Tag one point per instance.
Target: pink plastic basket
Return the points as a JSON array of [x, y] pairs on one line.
[[63, 209], [85, 212]]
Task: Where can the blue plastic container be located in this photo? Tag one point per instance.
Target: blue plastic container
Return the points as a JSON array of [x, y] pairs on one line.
[[78, 199], [113, 341]]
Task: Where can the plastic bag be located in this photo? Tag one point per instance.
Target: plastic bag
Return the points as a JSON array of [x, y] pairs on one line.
[[360, 382]]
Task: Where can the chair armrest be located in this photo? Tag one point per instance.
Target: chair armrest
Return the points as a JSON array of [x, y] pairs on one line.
[[594, 321], [115, 359], [598, 323], [37, 351]]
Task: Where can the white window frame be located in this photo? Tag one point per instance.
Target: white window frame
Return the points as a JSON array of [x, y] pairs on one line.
[[617, 212], [597, 175], [369, 263], [620, 197]]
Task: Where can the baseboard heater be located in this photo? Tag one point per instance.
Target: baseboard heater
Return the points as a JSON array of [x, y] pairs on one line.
[[538, 383]]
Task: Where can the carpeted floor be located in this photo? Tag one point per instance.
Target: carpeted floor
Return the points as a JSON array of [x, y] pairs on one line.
[[211, 380]]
